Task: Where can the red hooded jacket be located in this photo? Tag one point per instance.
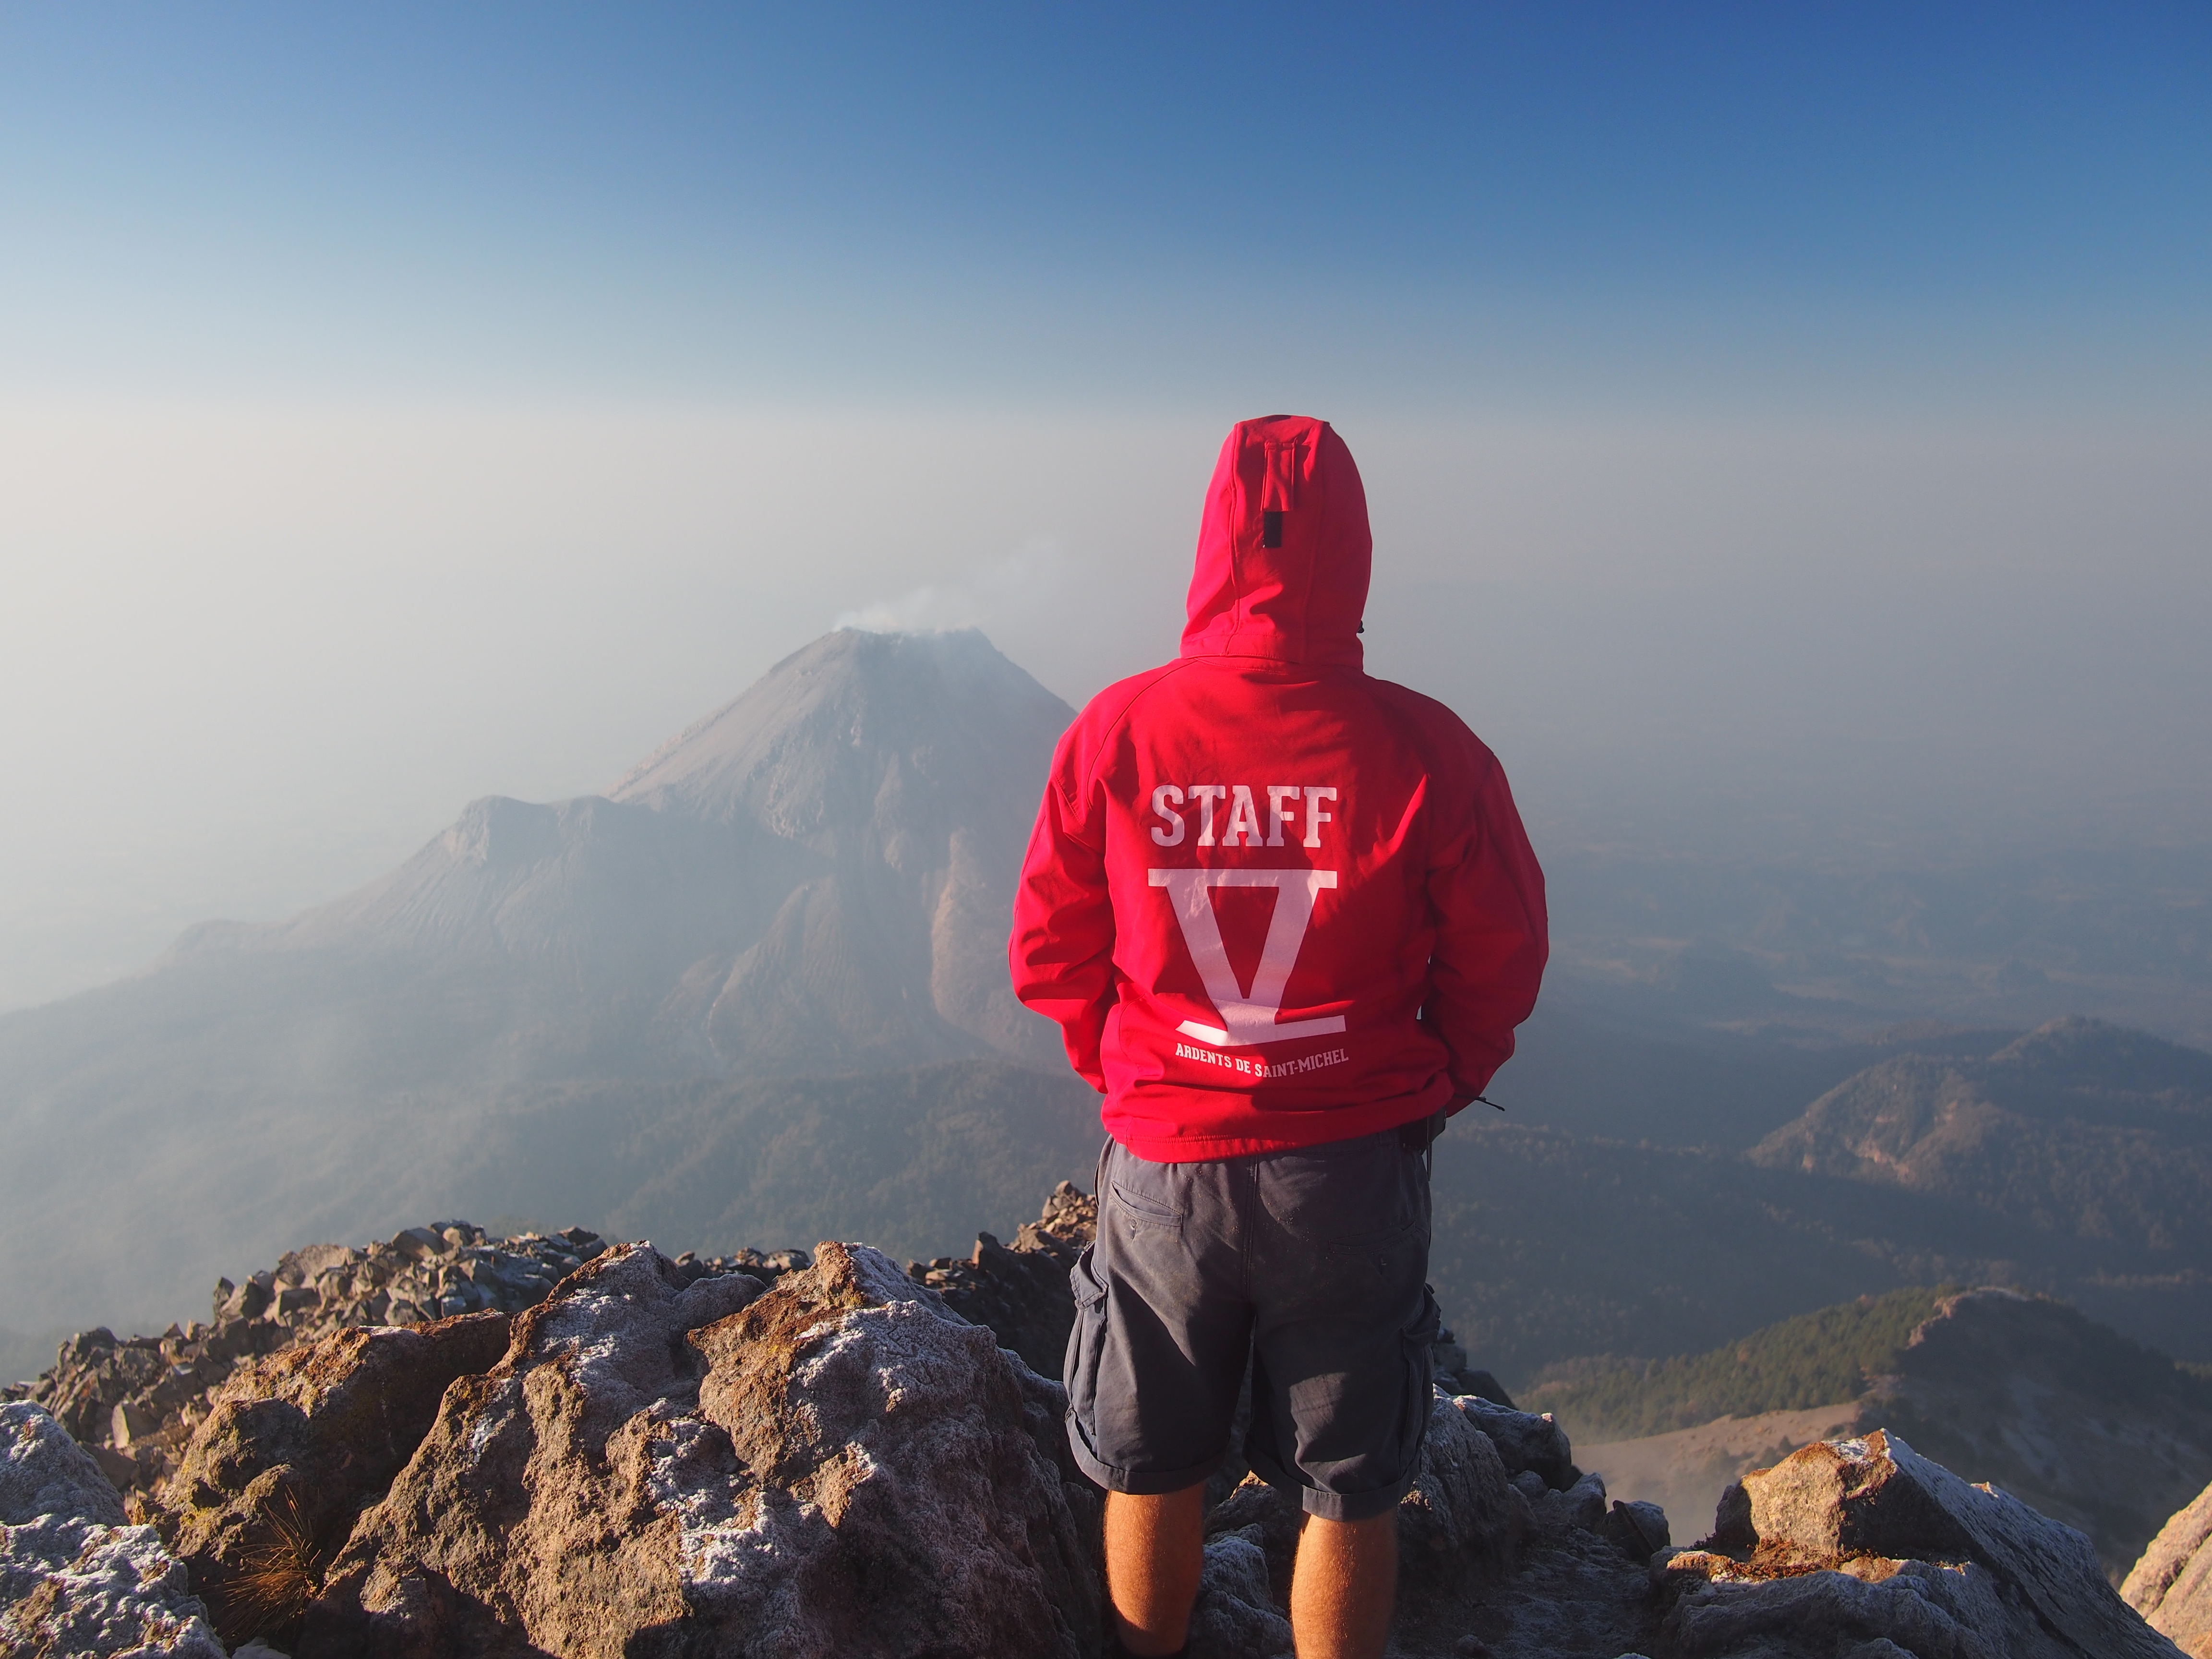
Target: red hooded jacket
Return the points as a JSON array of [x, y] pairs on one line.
[[1270, 901]]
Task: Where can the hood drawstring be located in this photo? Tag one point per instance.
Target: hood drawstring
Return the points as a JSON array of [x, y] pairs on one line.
[[1278, 488], [1284, 547]]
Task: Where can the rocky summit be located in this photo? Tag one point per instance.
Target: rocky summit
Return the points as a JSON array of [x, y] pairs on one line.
[[598, 1450], [135, 1402]]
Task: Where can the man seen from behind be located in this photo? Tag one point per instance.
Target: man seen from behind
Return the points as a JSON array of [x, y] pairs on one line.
[[1287, 920]]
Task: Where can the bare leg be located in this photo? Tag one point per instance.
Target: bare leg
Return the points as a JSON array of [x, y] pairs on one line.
[[1155, 1549], [1345, 1586]]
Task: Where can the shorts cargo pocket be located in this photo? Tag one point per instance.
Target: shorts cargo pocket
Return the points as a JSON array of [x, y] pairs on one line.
[[1086, 1341]]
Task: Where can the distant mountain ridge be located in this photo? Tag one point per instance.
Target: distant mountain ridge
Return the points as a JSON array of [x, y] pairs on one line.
[[1820, 1358], [2069, 1161], [2079, 1128]]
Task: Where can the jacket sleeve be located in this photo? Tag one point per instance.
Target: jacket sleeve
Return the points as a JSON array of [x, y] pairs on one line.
[[1487, 898], [1061, 952]]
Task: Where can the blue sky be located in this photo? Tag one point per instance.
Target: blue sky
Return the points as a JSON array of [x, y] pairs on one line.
[[1064, 206], [1780, 420]]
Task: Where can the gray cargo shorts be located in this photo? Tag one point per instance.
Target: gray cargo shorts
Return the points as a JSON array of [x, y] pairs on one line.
[[1313, 1264]]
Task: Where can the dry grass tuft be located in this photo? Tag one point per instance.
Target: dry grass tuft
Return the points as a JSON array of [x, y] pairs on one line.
[[275, 1577]]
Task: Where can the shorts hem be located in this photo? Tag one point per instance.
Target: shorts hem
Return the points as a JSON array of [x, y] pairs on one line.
[[1335, 1505], [1136, 1483]]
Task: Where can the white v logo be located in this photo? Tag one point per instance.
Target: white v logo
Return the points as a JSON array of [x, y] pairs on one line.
[[1247, 1019]]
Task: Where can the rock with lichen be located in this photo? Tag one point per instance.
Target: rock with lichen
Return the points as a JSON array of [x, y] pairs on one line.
[[75, 1578]]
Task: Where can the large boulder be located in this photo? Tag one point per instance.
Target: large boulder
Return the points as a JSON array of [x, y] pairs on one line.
[[2172, 1585], [74, 1579], [1867, 1540], [1527, 1442], [1463, 1517], [843, 1467], [296, 1445]]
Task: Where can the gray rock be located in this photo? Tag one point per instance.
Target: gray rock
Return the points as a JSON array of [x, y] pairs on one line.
[[1463, 1514], [417, 1243], [1582, 1506], [1525, 1440], [1572, 1592], [120, 1467], [1235, 1616], [303, 1267], [74, 1579], [1639, 1529], [295, 1445], [130, 1421], [44, 1473], [1931, 1612], [669, 1460]]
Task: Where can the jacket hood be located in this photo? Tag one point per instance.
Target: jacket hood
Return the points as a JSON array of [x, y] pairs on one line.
[[1284, 550]]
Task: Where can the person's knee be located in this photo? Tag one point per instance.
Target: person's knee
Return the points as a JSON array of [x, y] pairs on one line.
[[1157, 1510], [1155, 1536], [1367, 1537]]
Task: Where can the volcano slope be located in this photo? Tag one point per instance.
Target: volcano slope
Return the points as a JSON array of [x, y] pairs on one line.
[[812, 881]]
